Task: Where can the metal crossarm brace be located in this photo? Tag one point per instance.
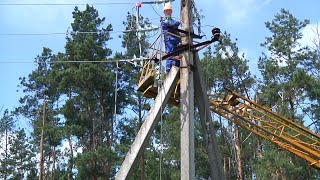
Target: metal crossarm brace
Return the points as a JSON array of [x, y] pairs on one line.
[[185, 47], [185, 32]]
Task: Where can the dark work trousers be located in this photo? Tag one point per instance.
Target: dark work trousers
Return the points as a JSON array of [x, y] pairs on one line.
[[171, 45]]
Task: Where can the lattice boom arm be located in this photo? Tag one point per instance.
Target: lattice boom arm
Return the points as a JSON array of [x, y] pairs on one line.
[[263, 122]]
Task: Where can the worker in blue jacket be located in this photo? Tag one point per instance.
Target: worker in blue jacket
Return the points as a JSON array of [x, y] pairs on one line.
[[171, 37]]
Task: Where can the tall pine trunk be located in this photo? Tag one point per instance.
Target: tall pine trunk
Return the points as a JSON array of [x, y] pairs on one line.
[[42, 137], [238, 149], [53, 163], [70, 163], [93, 139]]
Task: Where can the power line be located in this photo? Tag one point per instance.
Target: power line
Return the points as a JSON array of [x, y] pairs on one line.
[[64, 4], [102, 61], [75, 32], [85, 32], [156, 2], [32, 34], [81, 4], [155, 11]]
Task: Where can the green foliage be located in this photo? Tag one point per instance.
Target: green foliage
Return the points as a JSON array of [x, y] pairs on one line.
[[88, 47], [6, 122], [6, 133], [79, 96], [272, 165], [287, 84], [232, 71], [286, 31], [89, 88], [171, 144], [22, 157], [201, 155], [92, 163], [282, 71]]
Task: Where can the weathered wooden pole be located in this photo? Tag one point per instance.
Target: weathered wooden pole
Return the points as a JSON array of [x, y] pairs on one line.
[[187, 98]]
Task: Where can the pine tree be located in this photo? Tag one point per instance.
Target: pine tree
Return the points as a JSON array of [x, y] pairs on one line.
[[313, 82], [39, 105], [22, 161], [6, 128], [90, 91], [284, 89]]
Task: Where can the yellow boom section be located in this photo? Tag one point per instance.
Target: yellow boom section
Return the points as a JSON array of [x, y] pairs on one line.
[[263, 122]]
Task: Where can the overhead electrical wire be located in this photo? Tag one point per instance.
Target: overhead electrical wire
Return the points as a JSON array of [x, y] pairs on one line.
[[102, 61], [155, 10], [75, 32], [32, 34], [64, 4], [80, 4], [85, 32]]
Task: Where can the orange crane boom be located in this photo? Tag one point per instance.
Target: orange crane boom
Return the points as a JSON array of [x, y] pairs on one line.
[[263, 122]]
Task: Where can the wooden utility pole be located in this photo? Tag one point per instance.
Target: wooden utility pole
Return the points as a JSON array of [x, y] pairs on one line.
[[187, 98]]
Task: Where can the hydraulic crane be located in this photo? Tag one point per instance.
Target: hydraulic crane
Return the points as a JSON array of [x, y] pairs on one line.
[[248, 114]]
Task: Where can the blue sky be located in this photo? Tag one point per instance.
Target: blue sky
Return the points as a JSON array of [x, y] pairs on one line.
[[243, 19]]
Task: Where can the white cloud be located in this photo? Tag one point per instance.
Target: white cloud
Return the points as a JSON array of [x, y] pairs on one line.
[[311, 35]]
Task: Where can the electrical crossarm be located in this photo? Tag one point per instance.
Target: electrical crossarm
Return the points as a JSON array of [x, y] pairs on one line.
[[193, 47]]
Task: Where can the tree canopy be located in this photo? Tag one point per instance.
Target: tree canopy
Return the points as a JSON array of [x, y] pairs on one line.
[[83, 109]]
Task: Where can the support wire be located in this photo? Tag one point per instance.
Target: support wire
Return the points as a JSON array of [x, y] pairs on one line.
[[161, 121]]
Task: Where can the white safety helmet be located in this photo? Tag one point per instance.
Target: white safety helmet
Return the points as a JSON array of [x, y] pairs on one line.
[[167, 6]]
